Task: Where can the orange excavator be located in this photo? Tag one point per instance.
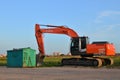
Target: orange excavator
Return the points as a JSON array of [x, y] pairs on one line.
[[80, 46]]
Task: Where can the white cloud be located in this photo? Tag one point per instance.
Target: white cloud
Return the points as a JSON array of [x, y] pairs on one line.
[[106, 14], [107, 31], [107, 22], [109, 13]]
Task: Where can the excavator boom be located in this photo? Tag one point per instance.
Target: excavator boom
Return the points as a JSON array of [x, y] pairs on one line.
[[55, 30]]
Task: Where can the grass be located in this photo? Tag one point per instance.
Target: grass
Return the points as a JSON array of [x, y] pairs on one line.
[[54, 61], [3, 61], [51, 61]]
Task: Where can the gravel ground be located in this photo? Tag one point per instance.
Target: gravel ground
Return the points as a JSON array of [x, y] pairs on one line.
[[59, 73]]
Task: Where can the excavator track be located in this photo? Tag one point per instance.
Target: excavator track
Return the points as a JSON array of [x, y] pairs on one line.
[[88, 61], [82, 62]]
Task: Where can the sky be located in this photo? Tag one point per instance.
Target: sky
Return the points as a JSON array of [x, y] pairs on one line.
[[97, 19]]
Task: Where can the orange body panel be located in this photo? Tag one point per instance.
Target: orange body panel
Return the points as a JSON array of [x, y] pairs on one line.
[[106, 49]]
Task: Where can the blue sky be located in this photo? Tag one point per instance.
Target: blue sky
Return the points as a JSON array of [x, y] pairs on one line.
[[98, 19]]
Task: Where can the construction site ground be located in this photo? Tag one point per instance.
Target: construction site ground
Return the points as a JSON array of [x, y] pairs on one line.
[[59, 73]]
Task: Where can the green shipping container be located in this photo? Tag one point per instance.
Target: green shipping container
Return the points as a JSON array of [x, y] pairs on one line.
[[24, 57]]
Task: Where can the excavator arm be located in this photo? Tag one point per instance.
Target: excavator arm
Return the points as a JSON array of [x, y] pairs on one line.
[[54, 30]]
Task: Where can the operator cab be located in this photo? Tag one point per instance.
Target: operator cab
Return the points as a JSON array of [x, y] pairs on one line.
[[78, 45]]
